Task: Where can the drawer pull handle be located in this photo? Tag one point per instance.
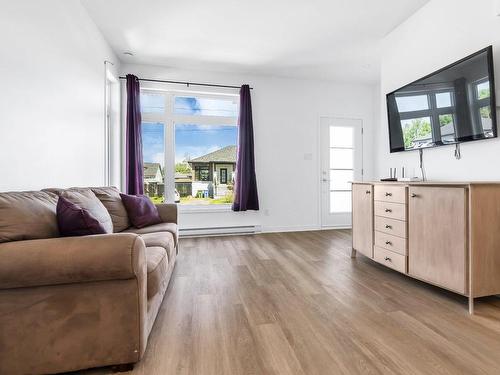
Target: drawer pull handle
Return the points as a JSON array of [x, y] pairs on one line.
[[387, 226], [388, 210], [388, 194], [388, 242], [388, 259], [368, 192], [413, 195]]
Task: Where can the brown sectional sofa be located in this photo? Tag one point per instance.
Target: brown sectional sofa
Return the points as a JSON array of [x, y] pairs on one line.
[[78, 302]]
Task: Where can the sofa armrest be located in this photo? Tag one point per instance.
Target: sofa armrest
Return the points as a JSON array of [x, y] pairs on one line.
[[71, 260], [168, 212]]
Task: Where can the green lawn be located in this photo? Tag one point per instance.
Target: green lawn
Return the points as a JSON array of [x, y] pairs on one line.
[[157, 200], [228, 199]]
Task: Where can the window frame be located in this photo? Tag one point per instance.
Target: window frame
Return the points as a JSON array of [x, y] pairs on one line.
[[477, 104], [169, 119], [433, 112]]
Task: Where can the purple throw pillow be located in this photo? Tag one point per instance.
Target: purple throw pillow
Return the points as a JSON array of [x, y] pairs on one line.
[[76, 221], [141, 211]]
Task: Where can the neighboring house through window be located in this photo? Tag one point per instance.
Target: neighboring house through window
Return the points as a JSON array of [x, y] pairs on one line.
[[189, 146]]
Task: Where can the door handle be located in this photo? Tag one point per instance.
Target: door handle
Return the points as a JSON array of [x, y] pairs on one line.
[[387, 226], [413, 195], [388, 242], [368, 192], [388, 259], [388, 210], [388, 194]]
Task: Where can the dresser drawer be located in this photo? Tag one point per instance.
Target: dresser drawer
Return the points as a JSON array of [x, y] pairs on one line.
[[388, 258], [390, 210], [390, 242], [388, 193], [390, 226]]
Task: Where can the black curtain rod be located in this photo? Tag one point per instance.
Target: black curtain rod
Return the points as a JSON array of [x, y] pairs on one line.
[[187, 83]]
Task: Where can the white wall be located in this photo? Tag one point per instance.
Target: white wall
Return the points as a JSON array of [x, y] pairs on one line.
[[51, 95], [286, 123], [441, 32]]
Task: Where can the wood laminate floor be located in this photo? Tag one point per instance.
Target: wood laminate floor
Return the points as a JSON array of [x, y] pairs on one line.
[[296, 303]]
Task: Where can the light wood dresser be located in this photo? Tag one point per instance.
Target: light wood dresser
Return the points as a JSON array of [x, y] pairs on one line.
[[446, 234]]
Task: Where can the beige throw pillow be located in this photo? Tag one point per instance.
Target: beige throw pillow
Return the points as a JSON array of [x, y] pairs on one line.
[[110, 198], [28, 215]]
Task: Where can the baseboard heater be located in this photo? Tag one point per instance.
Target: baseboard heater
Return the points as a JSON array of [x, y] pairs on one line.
[[220, 231]]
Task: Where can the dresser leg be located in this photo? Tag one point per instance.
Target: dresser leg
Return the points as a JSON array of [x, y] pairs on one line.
[[471, 305], [353, 253]]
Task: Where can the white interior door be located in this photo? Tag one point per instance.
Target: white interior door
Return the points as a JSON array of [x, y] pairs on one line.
[[341, 162]]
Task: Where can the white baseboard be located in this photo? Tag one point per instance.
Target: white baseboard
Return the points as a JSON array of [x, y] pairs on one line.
[[250, 229], [334, 227], [299, 228], [219, 231], [291, 228]]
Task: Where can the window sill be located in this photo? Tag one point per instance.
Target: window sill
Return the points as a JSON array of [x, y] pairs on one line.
[[194, 209]]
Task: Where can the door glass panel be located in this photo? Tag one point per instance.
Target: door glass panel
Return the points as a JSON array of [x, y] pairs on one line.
[[341, 158], [153, 150], [341, 168], [339, 179], [340, 201], [341, 136]]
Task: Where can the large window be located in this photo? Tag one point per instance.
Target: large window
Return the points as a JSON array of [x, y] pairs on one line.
[[189, 146]]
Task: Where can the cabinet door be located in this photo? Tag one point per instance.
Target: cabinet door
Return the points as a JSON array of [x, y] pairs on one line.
[[362, 219], [437, 236]]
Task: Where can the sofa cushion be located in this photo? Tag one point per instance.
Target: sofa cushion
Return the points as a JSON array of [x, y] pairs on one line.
[[27, 215], [157, 266], [141, 211], [110, 198], [162, 227], [162, 239], [73, 220], [86, 199]]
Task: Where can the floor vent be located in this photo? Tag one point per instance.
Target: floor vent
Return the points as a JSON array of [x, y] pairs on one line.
[[220, 231]]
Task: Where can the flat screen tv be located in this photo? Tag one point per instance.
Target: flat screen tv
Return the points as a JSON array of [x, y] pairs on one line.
[[455, 104]]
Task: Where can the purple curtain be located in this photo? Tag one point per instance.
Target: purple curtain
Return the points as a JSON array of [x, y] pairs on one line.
[[245, 186], [134, 165]]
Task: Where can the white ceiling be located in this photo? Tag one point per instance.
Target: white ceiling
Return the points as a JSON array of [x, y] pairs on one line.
[[324, 39]]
